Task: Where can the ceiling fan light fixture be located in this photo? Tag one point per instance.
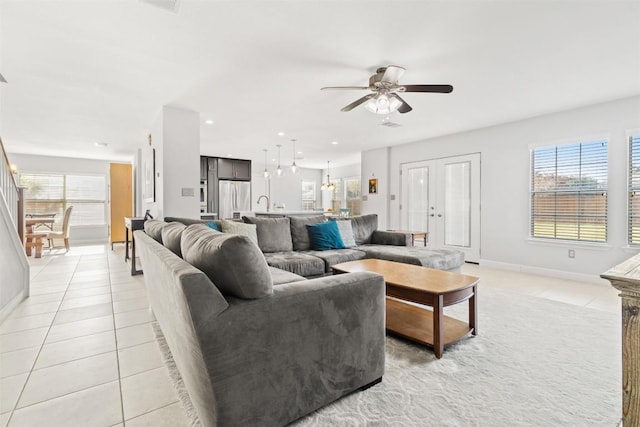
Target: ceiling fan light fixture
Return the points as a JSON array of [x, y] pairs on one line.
[[383, 104]]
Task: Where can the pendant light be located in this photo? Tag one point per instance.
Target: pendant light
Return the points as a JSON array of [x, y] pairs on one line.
[[329, 185], [294, 167], [279, 169], [266, 172]]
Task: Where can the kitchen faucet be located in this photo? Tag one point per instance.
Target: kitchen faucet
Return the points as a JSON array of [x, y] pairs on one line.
[[260, 198]]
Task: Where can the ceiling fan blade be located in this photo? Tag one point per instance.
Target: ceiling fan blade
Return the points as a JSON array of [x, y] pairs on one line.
[[360, 101], [428, 88], [404, 108], [345, 88], [392, 74]]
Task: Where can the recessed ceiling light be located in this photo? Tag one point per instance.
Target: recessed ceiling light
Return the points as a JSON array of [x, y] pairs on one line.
[[273, 160], [101, 144], [229, 155], [299, 152], [280, 133], [209, 121], [334, 142]]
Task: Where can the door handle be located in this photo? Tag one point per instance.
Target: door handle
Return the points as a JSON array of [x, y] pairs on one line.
[[432, 215], [439, 215]]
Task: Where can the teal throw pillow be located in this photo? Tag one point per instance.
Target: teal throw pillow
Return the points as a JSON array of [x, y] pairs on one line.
[[325, 236], [213, 225]]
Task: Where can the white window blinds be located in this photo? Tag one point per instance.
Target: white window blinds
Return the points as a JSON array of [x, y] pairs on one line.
[[634, 191], [569, 192], [53, 193]]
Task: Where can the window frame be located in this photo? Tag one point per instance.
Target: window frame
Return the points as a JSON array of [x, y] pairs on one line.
[[578, 190], [632, 136], [65, 201]]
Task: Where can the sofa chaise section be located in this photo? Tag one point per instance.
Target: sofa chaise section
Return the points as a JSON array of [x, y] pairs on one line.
[[270, 360]]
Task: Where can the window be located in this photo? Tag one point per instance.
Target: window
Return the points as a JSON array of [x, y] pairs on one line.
[[353, 193], [634, 191], [569, 192], [53, 193], [308, 195], [337, 197]]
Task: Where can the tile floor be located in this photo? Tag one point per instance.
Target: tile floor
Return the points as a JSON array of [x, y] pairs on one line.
[[81, 351]]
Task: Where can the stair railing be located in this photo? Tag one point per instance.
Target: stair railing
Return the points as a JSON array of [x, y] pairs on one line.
[[11, 193]]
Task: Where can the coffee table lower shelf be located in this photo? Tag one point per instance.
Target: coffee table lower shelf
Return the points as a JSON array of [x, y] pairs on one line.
[[416, 324]]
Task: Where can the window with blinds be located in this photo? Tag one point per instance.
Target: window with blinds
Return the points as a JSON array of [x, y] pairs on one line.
[[634, 191], [569, 192], [53, 193]]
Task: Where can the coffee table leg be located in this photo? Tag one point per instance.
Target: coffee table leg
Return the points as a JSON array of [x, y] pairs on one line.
[[438, 338], [473, 311]]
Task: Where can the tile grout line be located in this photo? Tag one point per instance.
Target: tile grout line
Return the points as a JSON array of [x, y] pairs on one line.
[[116, 341], [41, 346]]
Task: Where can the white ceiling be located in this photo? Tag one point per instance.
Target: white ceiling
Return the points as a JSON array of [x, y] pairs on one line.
[[81, 72]]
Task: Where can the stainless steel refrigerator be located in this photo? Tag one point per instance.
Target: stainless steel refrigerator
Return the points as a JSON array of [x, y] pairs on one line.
[[233, 196]]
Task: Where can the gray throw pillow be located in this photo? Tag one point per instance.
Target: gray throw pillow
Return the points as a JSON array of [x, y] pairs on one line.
[[153, 228], [346, 232], [299, 232], [233, 262], [274, 234], [234, 227], [171, 236], [363, 227]]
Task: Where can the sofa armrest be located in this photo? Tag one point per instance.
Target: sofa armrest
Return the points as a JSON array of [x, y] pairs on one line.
[[277, 358], [395, 238]]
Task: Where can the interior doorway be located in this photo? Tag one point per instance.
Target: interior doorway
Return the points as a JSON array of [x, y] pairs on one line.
[[442, 197]]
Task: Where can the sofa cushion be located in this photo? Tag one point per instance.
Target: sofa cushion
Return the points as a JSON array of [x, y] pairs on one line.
[[280, 277], [363, 228], [235, 227], [296, 262], [442, 259], [153, 228], [346, 232], [336, 256], [325, 236], [171, 236], [274, 234], [233, 262], [299, 232]]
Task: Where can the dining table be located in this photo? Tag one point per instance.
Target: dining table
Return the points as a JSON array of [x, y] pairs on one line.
[[31, 222]]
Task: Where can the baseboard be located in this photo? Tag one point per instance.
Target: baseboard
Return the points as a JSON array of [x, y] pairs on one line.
[[567, 275], [7, 309]]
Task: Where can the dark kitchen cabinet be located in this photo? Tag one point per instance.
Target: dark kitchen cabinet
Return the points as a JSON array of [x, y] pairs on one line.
[[234, 169], [204, 168]]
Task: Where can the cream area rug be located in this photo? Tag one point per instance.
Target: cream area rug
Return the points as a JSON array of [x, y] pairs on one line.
[[535, 362]]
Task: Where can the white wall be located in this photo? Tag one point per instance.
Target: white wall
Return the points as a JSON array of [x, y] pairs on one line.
[[505, 152], [375, 164], [176, 138], [14, 267], [68, 165], [286, 189]]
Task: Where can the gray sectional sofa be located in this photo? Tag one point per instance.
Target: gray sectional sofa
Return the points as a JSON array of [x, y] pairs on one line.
[[259, 331], [256, 345], [286, 245]]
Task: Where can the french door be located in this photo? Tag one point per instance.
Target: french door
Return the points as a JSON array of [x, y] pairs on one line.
[[442, 197]]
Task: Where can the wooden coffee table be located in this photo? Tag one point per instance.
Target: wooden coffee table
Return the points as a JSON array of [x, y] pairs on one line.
[[428, 287]]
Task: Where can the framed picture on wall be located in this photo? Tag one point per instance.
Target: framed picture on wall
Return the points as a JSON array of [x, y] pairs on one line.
[[373, 186], [149, 177]]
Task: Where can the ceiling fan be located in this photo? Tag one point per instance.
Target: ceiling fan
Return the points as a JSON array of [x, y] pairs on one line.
[[385, 88]]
